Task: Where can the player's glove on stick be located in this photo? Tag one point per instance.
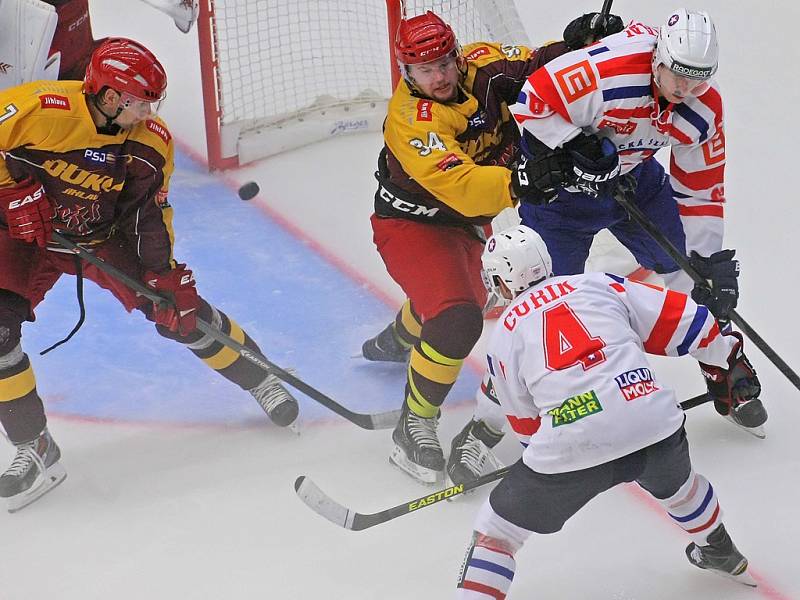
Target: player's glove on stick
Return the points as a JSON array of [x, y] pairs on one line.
[[723, 272], [589, 28], [28, 212], [595, 164], [736, 384], [176, 285], [540, 172]]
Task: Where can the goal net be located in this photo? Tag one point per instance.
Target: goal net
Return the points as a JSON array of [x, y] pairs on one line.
[[280, 74]]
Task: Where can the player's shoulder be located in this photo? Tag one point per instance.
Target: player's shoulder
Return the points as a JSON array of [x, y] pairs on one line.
[[45, 98], [480, 54], [407, 112], [153, 132]]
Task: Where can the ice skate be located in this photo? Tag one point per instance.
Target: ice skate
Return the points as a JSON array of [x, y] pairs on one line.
[[34, 471], [277, 402], [749, 416], [471, 453], [417, 450], [386, 347], [721, 556]]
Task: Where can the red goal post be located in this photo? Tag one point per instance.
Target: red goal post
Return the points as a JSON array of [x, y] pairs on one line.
[[280, 74]]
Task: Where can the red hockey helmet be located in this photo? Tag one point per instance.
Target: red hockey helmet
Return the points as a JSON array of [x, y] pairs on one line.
[[423, 38], [127, 67]]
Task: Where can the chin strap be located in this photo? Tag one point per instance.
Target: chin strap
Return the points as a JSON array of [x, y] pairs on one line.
[[109, 120]]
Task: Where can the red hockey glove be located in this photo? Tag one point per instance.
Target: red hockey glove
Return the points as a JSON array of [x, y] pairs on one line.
[[28, 212], [736, 384], [176, 285]]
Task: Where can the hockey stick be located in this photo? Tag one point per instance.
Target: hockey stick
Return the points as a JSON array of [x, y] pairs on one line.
[[325, 506], [624, 195], [384, 420]]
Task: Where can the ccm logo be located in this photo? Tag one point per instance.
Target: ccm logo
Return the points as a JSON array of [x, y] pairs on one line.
[[37, 195]]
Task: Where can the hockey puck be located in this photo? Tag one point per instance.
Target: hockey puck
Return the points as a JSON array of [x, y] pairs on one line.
[[249, 190]]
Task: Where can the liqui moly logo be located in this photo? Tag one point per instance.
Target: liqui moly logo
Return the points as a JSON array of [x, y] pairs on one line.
[[636, 383], [54, 101], [159, 130]]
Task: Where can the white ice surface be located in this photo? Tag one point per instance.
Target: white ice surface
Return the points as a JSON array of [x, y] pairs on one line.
[[210, 513]]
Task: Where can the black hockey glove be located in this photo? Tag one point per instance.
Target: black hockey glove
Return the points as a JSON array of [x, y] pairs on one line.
[[736, 384], [595, 164], [723, 272], [540, 172], [589, 28]]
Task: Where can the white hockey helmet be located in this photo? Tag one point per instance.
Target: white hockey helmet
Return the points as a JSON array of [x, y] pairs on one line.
[[687, 45], [518, 257]]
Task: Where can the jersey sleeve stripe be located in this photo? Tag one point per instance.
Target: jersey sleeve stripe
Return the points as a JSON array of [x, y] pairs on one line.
[[695, 328], [709, 210], [697, 180], [631, 64], [524, 426], [599, 50], [628, 91], [713, 101], [543, 87], [639, 112], [695, 119], [712, 335], [667, 323]]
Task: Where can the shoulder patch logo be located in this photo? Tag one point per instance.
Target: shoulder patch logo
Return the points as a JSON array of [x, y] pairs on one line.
[[477, 53], [576, 81], [448, 162], [54, 101], [575, 408], [159, 130], [425, 110]]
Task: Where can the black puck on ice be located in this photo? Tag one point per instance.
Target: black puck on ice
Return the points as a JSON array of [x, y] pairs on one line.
[[249, 190]]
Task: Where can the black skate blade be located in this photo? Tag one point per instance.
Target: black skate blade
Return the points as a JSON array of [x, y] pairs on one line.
[[758, 431], [54, 475]]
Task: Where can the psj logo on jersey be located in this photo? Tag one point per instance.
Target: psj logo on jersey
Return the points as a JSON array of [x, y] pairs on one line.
[[636, 383], [98, 156]]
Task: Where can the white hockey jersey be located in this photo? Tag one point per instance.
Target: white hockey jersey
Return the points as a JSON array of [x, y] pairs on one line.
[[608, 89], [567, 360]]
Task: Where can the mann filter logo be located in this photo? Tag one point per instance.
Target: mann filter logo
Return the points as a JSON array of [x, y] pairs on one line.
[[575, 408], [636, 383], [159, 130], [54, 101], [74, 175]]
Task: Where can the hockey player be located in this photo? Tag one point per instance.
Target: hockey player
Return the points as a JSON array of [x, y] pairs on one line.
[[448, 141], [603, 111], [52, 39], [92, 160], [569, 367]]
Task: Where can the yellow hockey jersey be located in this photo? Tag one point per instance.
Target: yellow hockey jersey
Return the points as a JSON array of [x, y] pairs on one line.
[[448, 163], [98, 183]]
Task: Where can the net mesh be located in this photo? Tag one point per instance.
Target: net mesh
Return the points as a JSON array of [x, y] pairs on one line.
[[280, 58]]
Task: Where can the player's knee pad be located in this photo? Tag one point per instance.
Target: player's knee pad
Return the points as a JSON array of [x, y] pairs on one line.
[[695, 508], [455, 330], [14, 309]]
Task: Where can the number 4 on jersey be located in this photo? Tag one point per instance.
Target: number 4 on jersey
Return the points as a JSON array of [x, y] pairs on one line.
[[567, 342]]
